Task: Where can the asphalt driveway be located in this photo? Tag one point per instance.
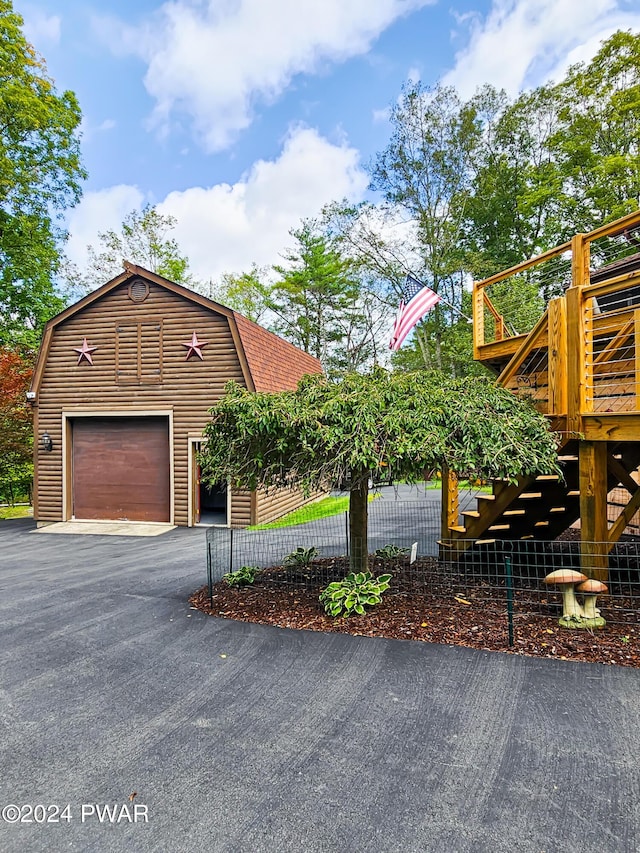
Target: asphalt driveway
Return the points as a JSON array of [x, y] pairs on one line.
[[242, 737]]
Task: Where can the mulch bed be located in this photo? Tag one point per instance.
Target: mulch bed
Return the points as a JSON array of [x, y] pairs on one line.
[[427, 605]]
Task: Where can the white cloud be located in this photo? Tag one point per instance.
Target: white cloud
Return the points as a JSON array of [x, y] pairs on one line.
[[40, 27], [89, 131], [382, 115], [99, 211], [227, 227], [216, 61], [523, 43]]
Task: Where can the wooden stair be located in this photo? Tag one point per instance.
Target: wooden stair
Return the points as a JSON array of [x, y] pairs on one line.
[[579, 365], [540, 507]]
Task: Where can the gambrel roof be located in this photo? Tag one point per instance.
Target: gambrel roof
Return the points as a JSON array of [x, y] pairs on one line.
[[268, 362]]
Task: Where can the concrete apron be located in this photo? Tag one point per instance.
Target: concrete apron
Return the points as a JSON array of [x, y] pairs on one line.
[[107, 528]]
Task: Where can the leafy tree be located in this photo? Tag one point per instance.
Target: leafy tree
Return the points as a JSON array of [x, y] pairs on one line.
[[327, 431], [513, 209], [380, 246], [381, 252], [363, 327], [597, 144], [315, 289], [558, 160], [426, 172], [16, 424], [143, 239], [247, 293], [40, 175]]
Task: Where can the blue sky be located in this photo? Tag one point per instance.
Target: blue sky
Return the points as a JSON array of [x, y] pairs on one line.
[[241, 117]]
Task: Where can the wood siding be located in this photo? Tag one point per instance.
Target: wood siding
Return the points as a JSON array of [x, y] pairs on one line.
[[278, 502], [187, 388], [241, 508]]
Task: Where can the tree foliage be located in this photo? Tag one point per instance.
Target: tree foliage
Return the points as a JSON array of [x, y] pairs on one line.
[[16, 424], [248, 293], [426, 171], [512, 212], [490, 182], [559, 160], [597, 144], [316, 289], [143, 239], [328, 431], [40, 175]]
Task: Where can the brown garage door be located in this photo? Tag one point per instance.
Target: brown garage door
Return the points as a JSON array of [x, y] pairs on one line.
[[121, 468]]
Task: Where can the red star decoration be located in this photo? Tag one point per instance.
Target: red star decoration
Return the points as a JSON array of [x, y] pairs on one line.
[[85, 351], [194, 347]]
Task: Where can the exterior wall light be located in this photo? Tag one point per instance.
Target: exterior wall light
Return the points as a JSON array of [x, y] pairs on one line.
[[47, 442]]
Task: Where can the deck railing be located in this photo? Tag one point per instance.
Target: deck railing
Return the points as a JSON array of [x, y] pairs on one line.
[[566, 325], [509, 304], [612, 346]]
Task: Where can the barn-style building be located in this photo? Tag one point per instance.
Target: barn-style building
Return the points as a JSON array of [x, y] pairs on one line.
[[121, 393]]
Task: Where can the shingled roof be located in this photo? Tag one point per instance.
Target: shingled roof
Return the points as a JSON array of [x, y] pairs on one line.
[[275, 364], [269, 363]]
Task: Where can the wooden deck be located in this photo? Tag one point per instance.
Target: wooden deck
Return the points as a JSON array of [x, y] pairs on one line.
[[563, 329]]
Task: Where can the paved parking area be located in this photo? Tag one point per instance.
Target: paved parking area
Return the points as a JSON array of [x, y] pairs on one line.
[[242, 737]]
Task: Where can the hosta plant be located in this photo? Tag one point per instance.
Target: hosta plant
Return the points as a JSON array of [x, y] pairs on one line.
[[300, 558], [354, 593], [243, 576], [391, 552]]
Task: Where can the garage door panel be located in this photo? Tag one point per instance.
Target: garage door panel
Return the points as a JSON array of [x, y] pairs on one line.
[[121, 469]]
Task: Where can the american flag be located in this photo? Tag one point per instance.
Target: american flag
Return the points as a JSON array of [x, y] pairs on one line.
[[420, 299]]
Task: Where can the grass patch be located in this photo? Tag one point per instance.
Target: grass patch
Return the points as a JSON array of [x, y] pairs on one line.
[[21, 511], [324, 508]]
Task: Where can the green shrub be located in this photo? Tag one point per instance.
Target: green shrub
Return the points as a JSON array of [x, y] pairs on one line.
[[243, 576], [391, 552], [353, 593], [300, 558]]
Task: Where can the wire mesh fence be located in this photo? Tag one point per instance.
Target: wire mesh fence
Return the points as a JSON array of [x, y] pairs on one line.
[[391, 523], [505, 576], [397, 515], [518, 571]]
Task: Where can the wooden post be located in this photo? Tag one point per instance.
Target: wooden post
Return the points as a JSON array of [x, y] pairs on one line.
[[557, 347], [636, 330], [575, 333], [478, 318], [450, 504], [580, 260], [575, 360], [594, 530]]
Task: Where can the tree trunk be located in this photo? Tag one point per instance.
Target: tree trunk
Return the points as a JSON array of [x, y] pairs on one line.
[[424, 347], [358, 521]]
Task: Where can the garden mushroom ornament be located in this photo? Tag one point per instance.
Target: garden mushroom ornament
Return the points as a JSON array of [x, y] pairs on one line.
[[572, 612], [591, 589]]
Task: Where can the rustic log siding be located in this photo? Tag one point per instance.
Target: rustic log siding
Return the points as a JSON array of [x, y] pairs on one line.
[[241, 503], [278, 502], [188, 388]]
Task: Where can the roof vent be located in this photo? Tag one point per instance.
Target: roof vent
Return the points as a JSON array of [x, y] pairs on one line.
[[138, 290]]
